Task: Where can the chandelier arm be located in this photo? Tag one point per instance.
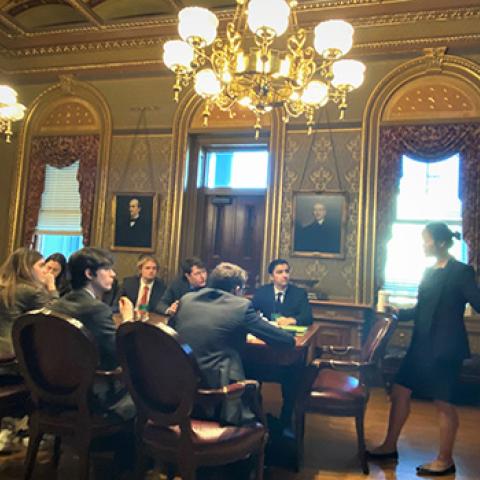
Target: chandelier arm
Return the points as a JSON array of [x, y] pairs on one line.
[[257, 76]]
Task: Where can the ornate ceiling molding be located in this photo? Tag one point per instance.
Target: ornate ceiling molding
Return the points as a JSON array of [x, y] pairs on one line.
[[82, 47], [372, 48], [411, 44], [315, 9], [149, 40], [421, 16]]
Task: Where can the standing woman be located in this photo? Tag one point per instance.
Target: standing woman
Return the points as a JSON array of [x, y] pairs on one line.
[[57, 264], [25, 284], [439, 345]]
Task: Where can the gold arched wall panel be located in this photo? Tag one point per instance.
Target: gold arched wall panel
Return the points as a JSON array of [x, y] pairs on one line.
[[64, 98], [243, 119], [433, 97], [454, 71], [69, 115], [189, 106]]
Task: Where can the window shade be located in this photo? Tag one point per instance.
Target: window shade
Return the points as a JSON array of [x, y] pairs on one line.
[[60, 208]]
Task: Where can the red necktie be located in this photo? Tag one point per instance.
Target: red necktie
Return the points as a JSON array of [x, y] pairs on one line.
[[144, 298]]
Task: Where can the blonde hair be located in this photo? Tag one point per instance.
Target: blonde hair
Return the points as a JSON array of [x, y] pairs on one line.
[[18, 270], [143, 259]]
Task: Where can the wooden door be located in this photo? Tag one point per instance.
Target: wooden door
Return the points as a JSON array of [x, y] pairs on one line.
[[233, 232]]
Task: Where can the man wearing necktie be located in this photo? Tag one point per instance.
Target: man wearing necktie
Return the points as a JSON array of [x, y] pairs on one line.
[[144, 289], [280, 300], [286, 304]]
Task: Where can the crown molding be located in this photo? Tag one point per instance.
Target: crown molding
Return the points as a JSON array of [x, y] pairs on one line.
[[162, 35]]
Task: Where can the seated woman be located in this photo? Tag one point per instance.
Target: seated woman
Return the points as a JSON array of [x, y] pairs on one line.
[[25, 284], [56, 263]]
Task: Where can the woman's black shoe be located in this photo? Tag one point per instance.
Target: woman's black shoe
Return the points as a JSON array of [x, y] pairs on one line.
[[421, 470]]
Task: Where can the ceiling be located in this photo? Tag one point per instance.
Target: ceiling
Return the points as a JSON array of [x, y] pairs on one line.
[[20, 17], [52, 36]]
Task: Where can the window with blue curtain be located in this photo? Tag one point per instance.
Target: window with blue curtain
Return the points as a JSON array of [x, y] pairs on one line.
[[59, 222], [428, 192]]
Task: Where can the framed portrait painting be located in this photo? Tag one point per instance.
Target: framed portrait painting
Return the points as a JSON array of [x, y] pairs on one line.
[[319, 222], [134, 222]]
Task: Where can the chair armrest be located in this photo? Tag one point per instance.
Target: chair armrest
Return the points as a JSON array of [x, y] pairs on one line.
[[215, 395], [339, 350], [343, 365], [250, 389], [109, 374]]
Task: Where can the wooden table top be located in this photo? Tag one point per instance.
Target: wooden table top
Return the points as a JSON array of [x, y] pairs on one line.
[[301, 340]]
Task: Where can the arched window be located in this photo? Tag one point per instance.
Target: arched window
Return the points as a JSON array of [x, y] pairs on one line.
[[429, 191]]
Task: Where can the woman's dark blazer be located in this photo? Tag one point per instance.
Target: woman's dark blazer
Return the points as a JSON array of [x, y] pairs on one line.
[[442, 314]]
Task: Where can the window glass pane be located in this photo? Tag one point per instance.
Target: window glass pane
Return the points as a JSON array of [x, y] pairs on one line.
[[60, 207], [428, 192], [66, 244], [237, 169]]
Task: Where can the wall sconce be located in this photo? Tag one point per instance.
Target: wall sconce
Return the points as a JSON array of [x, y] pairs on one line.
[[10, 110]]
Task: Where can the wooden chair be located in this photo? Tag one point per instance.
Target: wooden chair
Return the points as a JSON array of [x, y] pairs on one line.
[[58, 357], [163, 378], [334, 389], [13, 392]]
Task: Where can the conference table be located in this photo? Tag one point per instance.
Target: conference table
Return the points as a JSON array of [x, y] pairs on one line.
[[267, 363]]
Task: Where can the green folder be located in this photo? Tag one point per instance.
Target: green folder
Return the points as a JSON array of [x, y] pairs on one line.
[[298, 329]]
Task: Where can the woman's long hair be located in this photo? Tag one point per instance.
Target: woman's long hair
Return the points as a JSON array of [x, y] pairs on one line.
[[62, 282], [17, 270]]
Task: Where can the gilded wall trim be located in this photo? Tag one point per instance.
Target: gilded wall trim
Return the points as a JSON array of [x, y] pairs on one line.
[[67, 90], [432, 63], [180, 158], [145, 41]]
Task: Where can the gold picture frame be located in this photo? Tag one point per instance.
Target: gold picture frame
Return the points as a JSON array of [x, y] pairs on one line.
[[319, 223], [134, 221]]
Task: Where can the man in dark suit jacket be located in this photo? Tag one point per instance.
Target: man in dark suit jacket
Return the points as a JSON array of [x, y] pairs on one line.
[[287, 305], [194, 276], [214, 322], [145, 288], [92, 275], [134, 231], [322, 235], [281, 300]]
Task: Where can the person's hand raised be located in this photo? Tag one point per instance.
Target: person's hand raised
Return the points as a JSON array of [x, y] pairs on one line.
[[126, 309], [173, 308]]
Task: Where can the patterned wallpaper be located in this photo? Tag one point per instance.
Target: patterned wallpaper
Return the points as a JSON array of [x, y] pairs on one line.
[[140, 163], [309, 165]]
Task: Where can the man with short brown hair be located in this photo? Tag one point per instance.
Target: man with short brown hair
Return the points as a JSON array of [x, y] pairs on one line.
[[214, 322]]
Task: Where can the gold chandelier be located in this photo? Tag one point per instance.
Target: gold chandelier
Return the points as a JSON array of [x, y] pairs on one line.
[[10, 110], [252, 74]]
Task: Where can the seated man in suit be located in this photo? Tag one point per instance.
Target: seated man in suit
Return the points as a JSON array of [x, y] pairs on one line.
[[214, 322], [194, 276], [281, 300], [144, 289], [287, 305], [92, 275]]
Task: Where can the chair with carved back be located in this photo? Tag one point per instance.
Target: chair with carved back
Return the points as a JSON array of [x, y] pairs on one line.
[[339, 386], [163, 377], [58, 358]]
